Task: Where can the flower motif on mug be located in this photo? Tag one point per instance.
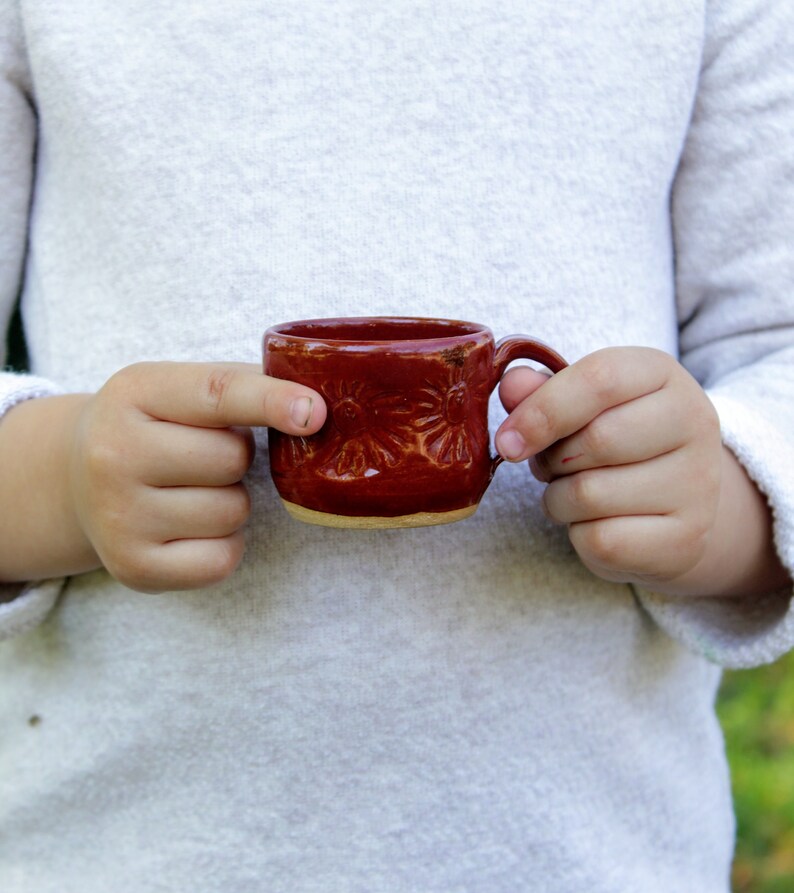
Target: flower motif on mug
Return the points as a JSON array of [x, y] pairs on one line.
[[374, 428], [448, 410], [297, 449]]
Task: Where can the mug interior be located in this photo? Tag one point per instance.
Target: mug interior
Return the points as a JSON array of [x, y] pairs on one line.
[[377, 329]]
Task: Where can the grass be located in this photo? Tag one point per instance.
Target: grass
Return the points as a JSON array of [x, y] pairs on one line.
[[756, 708]]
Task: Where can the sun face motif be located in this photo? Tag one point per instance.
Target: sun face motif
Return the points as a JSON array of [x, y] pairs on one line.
[[373, 426], [448, 408]]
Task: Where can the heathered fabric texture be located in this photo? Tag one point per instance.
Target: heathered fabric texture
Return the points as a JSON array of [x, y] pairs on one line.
[[462, 708]]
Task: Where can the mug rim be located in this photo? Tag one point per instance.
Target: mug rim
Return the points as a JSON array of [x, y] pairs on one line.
[[436, 329]]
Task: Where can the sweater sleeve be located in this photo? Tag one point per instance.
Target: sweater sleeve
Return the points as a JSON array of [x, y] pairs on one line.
[[21, 606], [733, 218]]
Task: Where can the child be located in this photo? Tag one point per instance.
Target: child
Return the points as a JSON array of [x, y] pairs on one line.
[[521, 701]]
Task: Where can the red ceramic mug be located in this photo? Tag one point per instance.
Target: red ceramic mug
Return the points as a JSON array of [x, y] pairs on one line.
[[406, 440]]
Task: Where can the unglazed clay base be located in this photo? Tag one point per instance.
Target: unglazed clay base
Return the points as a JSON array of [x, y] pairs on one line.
[[420, 519]]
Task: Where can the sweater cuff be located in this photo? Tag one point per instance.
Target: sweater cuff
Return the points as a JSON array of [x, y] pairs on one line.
[[741, 633], [23, 606], [15, 387]]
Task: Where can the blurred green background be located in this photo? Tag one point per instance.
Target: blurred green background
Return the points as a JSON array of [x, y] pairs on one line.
[[756, 708]]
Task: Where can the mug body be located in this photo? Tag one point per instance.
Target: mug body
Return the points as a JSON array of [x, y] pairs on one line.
[[406, 439]]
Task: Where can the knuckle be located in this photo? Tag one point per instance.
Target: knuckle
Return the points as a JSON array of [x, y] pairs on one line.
[[141, 571], [709, 424], [582, 490], [121, 380], [127, 380], [228, 553], [597, 542], [103, 460], [705, 482], [602, 374], [238, 457], [136, 571], [540, 423], [694, 538], [597, 437], [238, 505], [549, 502]]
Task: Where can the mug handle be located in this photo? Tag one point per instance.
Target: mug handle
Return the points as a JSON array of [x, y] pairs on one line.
[[521, 347]]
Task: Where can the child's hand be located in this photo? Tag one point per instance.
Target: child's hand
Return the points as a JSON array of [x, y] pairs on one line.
[[631, 446], [156, 465]]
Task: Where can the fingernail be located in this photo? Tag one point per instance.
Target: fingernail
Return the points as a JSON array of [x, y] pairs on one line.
[[301, 411], [511, 444]]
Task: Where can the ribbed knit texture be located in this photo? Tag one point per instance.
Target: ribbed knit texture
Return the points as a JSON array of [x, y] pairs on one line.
[[461, 708]]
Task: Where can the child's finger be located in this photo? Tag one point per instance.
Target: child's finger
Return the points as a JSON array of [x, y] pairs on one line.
[[518, 383], [181, 564], [576, 395], [178, 513], [631, 432], [220, 395], [185, 455], [621, 490], [639, 548]]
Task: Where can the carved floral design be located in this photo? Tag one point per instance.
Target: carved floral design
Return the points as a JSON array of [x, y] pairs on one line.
[[448, 409], [375, 427], [297, 450], [370, 430]]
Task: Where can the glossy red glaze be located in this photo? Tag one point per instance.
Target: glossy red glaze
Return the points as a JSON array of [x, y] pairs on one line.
[[407, 427]]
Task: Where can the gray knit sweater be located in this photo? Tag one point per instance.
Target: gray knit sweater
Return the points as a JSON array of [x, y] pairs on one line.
[[452, 709]]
